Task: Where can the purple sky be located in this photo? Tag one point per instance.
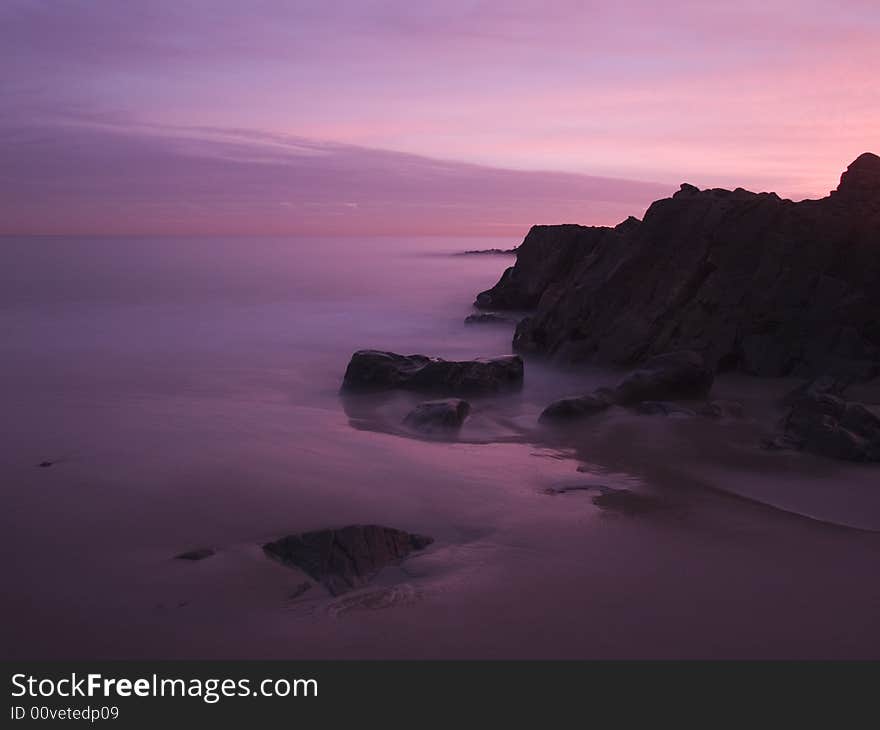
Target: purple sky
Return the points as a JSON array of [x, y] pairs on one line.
[[402, 117]]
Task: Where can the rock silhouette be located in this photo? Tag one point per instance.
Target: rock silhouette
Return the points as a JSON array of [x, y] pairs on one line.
[[376, 370], [750, 281]]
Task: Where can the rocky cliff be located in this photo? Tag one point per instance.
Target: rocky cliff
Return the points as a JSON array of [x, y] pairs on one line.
[[751, 281]]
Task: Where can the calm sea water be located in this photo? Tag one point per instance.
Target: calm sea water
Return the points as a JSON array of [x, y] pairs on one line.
[[186, 393]]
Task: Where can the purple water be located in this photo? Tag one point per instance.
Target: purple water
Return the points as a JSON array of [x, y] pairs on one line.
[[186, 393]]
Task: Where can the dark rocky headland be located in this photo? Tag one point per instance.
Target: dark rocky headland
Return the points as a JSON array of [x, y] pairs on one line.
[[750, 281]]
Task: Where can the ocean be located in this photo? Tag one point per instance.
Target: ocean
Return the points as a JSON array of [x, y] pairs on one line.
[[184, 393]]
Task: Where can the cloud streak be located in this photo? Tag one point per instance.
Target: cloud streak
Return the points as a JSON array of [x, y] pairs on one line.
[[99, 178]]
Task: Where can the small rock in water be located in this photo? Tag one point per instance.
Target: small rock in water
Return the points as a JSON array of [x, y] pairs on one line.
[[570, 409], [553, 491], [348, 558], [489, 251], [199, 554], [488, 318], [438, 415], [45, 464]]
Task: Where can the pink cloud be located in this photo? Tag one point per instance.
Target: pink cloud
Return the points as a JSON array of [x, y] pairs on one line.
[[770, 94]]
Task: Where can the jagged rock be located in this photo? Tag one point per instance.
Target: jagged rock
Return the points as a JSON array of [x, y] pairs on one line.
[[348, 558], [438, 415], [545, 258], [721, 409], [662, 408], [673, 375], [488, 318], [823, 423], [570, 409], [751, 281], [861, 181], [376, 370], [199, 554]]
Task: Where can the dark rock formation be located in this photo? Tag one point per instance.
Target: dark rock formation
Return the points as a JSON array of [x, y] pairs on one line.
[[721, 409], [823, 385], [570, 409], [823, 423], [662, 408], [348, 558], [199, 554], [438, 415], [545, 257], [375, 370], [488, 318], [751, 281], [673, 375]]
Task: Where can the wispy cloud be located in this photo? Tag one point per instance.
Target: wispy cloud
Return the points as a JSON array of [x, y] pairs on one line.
[[97, 177]]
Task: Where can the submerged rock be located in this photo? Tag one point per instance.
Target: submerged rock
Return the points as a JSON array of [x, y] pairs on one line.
[[377, 370], [647, 390], [347, 558], [628, 502], [488, 318], [751, 281], [572, 409], [199, 554], [438, 415], [674, 375]]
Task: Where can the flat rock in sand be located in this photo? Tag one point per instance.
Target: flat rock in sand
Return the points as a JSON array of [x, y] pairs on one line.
[[347, 558]]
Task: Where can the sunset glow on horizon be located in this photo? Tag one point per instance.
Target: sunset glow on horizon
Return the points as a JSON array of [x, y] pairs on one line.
[[396, 118]]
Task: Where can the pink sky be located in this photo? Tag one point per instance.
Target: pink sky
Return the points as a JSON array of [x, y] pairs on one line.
[[401, 117]]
